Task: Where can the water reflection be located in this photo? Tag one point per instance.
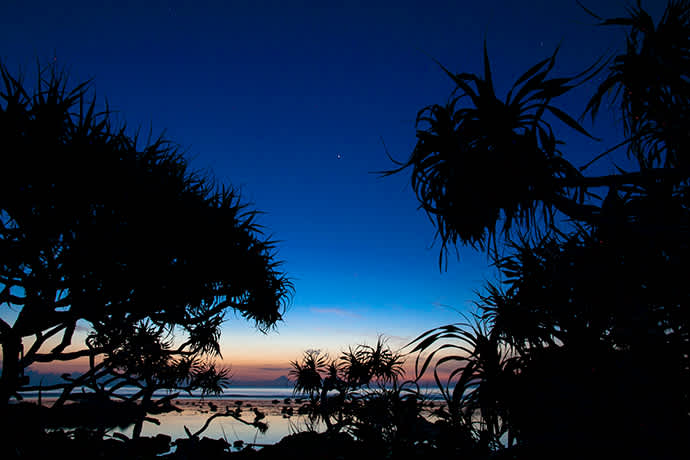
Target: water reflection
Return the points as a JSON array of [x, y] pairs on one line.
[[195, 413]]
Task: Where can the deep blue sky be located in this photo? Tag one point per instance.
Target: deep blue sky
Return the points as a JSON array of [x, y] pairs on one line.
[[268, 95]]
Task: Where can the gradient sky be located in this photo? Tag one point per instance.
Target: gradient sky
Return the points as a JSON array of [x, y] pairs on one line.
[[290, 102]]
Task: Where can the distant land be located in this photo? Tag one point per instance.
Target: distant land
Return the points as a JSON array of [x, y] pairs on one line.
[[280, 382], [41, 378]]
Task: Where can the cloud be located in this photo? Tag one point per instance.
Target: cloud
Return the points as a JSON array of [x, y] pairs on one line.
[[334, 311], [276, 369], [438, 304], [83, 328], [396, 341]]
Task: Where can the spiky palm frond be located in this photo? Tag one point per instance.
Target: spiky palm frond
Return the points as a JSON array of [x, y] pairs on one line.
[[364, 363], [491, 160], [482, 367], [307, 373], [209, 379], [653, 78]]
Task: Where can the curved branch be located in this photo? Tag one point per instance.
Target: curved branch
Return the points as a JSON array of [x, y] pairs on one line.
[[604, 153], [7, 297], [578, 211], [226, 414], [633, 178], [76, 382], [40, 339], [66, 338], [48, 357]]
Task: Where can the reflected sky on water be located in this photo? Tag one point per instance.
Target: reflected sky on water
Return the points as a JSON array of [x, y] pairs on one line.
[[195, 413]]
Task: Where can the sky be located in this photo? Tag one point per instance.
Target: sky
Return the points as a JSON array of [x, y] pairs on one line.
[[296, 103]]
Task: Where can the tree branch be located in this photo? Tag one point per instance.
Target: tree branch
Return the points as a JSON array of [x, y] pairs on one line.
[[211, 312], [574, 210], [7, 297], [76, 382], [639, 178], [5, 328], [48, 357], [66, 338], [40, 340], [255, 424]]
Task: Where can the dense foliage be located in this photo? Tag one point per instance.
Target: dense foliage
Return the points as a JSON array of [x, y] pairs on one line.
[[359, 393], [580, 349], [582, 346], [101, 231]]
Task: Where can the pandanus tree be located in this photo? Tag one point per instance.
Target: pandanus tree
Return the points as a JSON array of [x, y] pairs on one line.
[[336, 386], [503, 152], [592, 309], [101, 230]]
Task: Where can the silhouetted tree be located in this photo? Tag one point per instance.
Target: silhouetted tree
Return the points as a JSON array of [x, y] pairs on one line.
[[101, 230], [584, 344], [344, 391]]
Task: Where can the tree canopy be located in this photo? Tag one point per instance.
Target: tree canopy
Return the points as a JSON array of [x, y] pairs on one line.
[[492, 164], [101, 227], [583, 343]]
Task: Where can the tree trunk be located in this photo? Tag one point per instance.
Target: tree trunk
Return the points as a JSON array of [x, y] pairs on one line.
[[324, 408], [11, 350], [145, 404]]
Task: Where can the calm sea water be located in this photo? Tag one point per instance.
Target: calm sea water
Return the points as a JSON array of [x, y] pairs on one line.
[[232, 392], [270, 401], [195, 411]]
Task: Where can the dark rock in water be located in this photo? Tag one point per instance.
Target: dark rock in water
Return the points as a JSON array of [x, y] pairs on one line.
[[212, 407], [275, 401], [303, 409], [203, 448], [310, 445], [164, 407], [287, 401], [146, 446]]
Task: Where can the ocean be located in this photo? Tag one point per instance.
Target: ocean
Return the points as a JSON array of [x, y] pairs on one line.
[[278, 404]]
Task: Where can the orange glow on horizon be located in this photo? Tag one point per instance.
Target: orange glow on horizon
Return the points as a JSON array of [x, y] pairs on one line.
[[240, 371]]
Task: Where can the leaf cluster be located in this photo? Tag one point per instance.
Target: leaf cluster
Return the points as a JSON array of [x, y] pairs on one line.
[[344, 390], [491, 159]]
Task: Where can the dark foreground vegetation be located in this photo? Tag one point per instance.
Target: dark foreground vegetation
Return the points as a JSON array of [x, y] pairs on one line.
[[581, 349], [104, 232]]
